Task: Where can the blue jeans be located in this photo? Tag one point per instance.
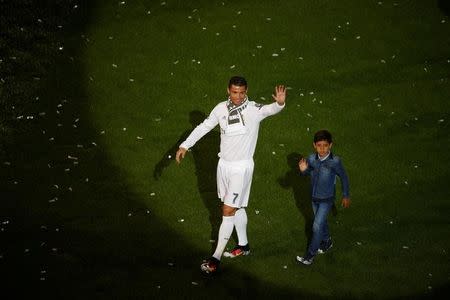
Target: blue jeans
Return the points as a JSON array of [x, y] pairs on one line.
[[320, 225]]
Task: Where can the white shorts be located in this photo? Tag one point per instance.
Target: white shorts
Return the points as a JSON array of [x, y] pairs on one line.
[[234, 180]]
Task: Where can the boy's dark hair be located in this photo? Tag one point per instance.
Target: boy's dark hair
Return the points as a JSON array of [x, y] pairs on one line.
[[238, 81], [323, 135]]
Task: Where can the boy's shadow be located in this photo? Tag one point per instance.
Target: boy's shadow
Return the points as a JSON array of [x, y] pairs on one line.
[[205, 158], [301, 188]]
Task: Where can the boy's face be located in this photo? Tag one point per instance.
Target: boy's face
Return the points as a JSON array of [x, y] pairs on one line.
[[322, 147], [237, 94]]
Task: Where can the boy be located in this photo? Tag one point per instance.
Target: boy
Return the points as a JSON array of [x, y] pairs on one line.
[[323, 167]]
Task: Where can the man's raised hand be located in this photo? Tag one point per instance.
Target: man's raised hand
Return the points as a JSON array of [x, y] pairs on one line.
[[280, 94]]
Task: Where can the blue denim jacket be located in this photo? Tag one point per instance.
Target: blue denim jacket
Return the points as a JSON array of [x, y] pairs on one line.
[[323, 177]]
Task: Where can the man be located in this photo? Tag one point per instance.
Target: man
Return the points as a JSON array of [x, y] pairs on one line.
[[239, 120]]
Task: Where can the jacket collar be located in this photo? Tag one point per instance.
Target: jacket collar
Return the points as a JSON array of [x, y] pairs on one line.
[[329, 156]]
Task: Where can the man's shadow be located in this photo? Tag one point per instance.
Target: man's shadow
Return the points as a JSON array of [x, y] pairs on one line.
[[301, 188], [205, 159]]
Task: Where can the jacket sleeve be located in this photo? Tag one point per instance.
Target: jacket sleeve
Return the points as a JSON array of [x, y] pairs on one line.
[[344, 179], [203, 128]]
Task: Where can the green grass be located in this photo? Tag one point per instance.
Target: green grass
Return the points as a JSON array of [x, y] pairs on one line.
[[116, 230]]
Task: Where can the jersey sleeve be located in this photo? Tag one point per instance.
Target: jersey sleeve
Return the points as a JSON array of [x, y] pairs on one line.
[[265, 111], [203, 128]]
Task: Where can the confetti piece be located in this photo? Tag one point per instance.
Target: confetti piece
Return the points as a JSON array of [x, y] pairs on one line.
[[152, 194], [180, 220], [194, 283], [257, 212], [274, 54]]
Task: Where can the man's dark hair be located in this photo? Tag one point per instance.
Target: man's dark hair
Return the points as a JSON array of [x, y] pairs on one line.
[[238, 81], [323, 135]]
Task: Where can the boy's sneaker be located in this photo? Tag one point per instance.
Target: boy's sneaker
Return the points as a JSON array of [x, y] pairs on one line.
[[238, 251], [306, 259], [210, 266], [325, 246]]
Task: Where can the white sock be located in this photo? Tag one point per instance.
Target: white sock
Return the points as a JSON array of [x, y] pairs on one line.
[[225, 231], [240, 222]]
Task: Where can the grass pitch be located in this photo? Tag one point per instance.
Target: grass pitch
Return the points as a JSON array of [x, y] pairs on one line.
[[96, 207]]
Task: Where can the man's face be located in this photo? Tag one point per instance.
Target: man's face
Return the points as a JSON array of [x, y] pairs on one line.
[[237, 94], [322, 147]]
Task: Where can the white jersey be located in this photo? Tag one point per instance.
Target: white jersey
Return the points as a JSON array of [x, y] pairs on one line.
[[238, 140]]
